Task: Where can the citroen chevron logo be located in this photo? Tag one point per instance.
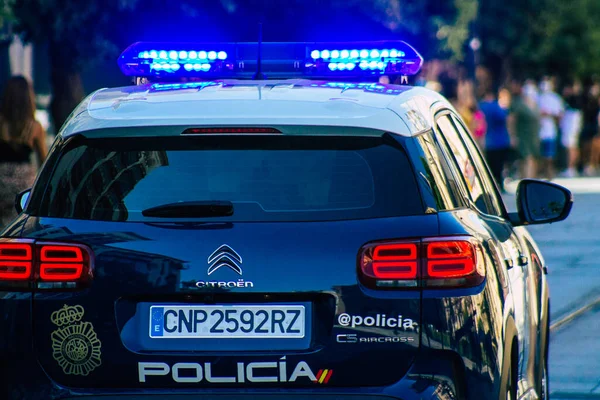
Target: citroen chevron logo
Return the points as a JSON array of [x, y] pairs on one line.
[[225, 256]]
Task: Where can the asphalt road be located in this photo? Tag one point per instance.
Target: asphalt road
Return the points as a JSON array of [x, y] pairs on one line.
[[571, 249]]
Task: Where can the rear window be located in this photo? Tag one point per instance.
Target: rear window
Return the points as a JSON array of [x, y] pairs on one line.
[[267, 178]]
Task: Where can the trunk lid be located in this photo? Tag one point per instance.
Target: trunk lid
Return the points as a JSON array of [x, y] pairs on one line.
[[82, 338]]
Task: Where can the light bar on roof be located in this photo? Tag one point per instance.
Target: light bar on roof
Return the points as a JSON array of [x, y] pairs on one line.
[[375, 58], [144, 59], [279, 60]]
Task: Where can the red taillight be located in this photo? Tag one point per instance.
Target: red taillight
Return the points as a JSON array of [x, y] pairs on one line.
[[450, 259], [25, 264], [15, 270], [60, 253], [15, 251], [15, 261], [395, 261], [61, 272], [390, 264], [446, 262], [61, 263]]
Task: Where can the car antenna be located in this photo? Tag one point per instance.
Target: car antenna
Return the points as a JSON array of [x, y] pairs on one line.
[[259, 75]]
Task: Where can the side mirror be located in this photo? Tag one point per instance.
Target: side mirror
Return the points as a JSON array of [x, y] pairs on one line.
[[21, 200], [541, 202]]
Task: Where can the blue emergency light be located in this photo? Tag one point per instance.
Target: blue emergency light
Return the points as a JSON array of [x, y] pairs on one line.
[[173, 61]]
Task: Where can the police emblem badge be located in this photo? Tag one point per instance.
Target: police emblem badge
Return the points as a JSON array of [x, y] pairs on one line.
[[75, 345]]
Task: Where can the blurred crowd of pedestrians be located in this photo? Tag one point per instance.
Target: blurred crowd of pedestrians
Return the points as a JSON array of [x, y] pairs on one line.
[[530, 129]]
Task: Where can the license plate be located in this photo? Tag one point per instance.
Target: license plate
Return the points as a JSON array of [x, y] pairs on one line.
[[227, 321]]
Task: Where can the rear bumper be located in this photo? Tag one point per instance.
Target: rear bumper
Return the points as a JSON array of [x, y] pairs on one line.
[[240, 397], [261, 396], [435, 376], [415, 390]]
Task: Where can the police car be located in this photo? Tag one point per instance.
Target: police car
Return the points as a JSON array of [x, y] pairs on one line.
[[206, 235]]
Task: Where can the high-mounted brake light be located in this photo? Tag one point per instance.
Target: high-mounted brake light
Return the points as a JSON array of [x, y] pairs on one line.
[[278, 60], [225, 130], [26, 264], [429, 262]]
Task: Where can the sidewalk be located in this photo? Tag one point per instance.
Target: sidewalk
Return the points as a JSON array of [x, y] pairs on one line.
[[580, 185]]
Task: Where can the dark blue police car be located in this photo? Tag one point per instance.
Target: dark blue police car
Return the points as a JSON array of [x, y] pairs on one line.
[[201, 237]]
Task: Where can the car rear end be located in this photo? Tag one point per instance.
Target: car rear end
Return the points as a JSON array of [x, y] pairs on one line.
[[299, 270]]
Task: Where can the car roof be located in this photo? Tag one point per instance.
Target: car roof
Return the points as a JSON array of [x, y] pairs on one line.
[[403, 110]]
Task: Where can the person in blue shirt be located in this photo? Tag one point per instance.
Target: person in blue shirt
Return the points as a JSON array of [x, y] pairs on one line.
[[497, 138]]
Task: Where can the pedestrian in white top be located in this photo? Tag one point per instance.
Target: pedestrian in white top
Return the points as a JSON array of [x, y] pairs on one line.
[[570, 127], [551, 108]]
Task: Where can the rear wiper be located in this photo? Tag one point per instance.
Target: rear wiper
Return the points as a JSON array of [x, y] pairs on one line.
[[191, 209]]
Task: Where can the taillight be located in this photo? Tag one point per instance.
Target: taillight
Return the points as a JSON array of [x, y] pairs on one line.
[[450, 259], [395, 261], [453, 263], [16, 261], [393, 264], [25, 264], [430, 262], [61, 263]]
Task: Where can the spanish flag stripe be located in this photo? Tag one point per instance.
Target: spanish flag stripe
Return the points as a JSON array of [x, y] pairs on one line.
[[328, 376], [323, 375]]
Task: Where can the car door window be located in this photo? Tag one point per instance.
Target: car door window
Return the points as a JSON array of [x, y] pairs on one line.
[[440, 177], [491, 191], [464, 163]]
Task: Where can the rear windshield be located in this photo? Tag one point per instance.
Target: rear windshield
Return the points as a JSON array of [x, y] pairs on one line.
[[267, 178]]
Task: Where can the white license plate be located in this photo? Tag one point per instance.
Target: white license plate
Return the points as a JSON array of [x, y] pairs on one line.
[[227, 321]]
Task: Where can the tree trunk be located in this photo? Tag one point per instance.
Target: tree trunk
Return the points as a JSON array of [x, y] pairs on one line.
[[67, 86]]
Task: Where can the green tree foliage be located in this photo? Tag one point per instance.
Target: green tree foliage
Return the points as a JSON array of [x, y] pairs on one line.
[[573, 42], [6, 17], [530, 38], [455, 32], [5, 10]]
